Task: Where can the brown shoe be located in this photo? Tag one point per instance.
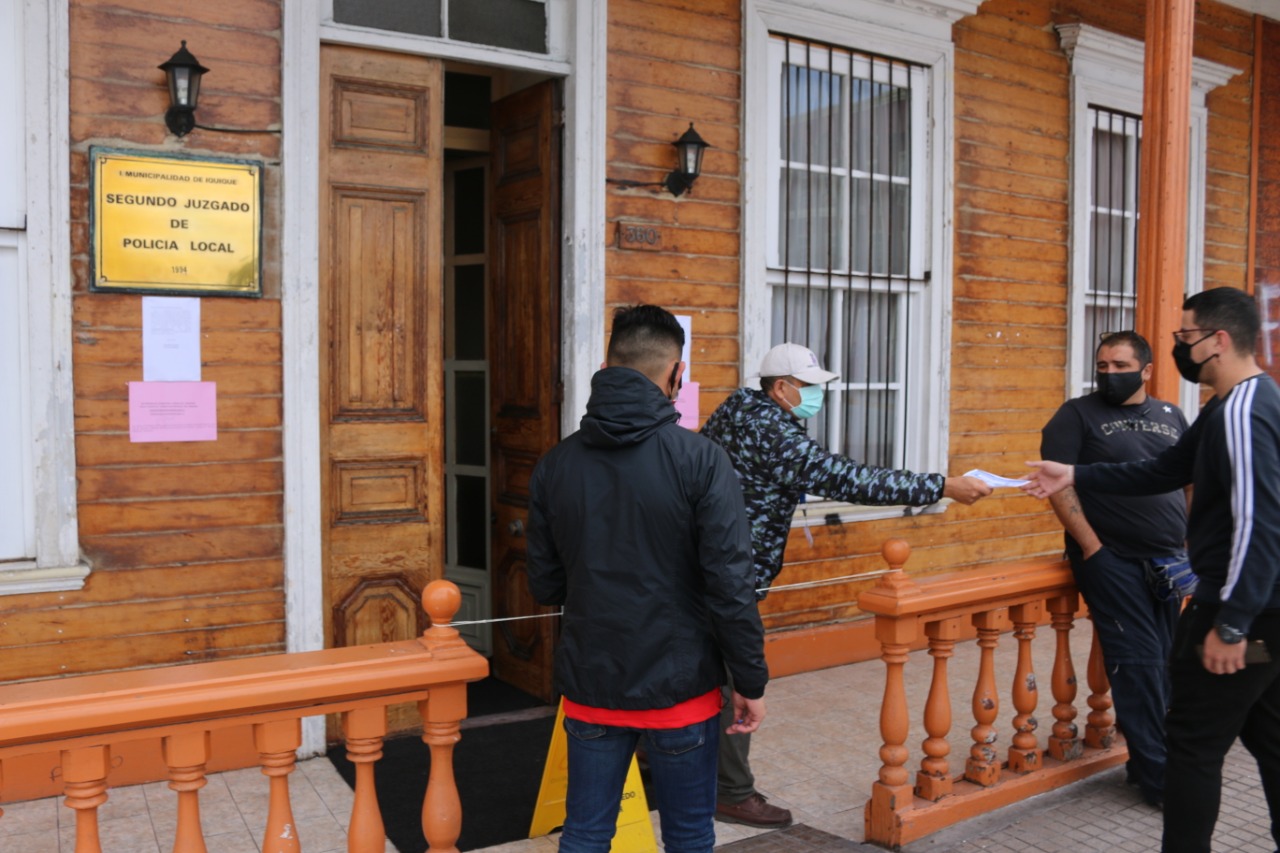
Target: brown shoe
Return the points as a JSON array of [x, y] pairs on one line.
[[754, 811]]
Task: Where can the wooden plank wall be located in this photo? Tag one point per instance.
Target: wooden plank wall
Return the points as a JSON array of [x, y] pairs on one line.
[[1266, 272], [1011, 219], [185, 539], [672, 62]]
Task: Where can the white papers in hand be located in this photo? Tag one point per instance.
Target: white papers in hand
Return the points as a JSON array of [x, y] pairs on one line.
[[995, 481]]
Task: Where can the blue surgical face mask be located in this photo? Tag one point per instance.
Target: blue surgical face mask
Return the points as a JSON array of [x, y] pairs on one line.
[[810, 401]]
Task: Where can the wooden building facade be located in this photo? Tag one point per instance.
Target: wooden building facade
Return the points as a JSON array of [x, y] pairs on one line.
[[939, 196]]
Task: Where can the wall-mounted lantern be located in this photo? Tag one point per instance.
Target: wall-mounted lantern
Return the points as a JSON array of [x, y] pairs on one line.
[[689, 148], [183, 72]]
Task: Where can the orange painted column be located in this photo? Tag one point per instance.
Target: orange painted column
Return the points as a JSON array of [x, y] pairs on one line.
[[1162, 182], [1100, 730], [1024, 750], [933, 782], [185, 755], [365, 729], [84, 775], [1064, 744]]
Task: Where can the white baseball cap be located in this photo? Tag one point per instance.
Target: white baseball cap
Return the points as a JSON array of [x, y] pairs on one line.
[[795, 360]]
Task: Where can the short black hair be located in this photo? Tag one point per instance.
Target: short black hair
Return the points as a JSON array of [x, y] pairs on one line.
[[766, 382], [1230, 310], [1141, 349], [644, 338]]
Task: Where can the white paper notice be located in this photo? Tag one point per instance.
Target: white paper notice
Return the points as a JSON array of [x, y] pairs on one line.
[[686, 323], [995, 481], [171, 339]]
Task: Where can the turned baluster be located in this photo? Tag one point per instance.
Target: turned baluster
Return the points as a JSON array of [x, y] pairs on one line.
[[1, 783], [1024, 749], [934, 779], [441, 712], [891, 793], [1064, 744], [277, 743], [1100, 728], [983, 765], [186, 755], [84, 777], [365, 729]]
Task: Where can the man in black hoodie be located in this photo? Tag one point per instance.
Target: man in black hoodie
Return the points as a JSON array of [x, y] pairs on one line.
[[637, 528]]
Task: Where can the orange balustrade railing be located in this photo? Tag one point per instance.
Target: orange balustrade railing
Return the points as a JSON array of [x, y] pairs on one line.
[[83, 718], [935, 610]]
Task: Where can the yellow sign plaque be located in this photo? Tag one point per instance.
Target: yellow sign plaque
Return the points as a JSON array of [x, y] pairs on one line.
[[175, 225]]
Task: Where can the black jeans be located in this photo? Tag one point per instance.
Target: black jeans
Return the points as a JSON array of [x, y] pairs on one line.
[[1208, 713], [1135, 630]]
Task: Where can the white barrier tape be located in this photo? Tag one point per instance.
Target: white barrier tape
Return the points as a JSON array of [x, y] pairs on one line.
[[827, 581], [799, 585]]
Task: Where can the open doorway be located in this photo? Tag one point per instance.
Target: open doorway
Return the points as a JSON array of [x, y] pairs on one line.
[[501, 263]]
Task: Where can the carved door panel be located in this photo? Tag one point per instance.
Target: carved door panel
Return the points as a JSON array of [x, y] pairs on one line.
[[524, 358], [380, 355]]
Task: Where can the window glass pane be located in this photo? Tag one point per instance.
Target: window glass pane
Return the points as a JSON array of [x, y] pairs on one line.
[[470, 415], [472, 503], [867, 328], [816, 225], [844, 174], [419, 17], [869, 434], [468, 312], [517, 24], [816, 126], [468, 211]]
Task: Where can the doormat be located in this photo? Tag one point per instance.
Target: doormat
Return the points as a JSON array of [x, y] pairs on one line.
[[497, 765], [797, 839], [497, 769]]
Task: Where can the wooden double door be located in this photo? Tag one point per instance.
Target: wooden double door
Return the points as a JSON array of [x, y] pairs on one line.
[[383, 324]]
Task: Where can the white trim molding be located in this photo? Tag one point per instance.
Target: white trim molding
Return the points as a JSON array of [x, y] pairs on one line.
[[57, 565], [1107, 71], [582, 296], [916, 31]]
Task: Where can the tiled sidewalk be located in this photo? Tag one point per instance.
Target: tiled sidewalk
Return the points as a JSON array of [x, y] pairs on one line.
[[816, 754]]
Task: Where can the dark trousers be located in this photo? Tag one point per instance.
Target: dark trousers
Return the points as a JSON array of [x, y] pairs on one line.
[[1136, 632], [1208, 713], [734, 779]]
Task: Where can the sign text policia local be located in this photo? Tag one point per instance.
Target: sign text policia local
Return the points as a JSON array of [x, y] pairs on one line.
[[175, 225]]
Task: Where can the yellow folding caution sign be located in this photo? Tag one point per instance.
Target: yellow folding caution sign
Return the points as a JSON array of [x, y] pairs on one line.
[[635, 831]]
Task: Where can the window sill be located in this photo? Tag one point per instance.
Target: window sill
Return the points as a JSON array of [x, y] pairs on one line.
[[23, 578], [819, 513]]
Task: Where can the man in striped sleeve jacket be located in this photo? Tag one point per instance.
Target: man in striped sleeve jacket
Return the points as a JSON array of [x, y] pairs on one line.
[[1225, 664]]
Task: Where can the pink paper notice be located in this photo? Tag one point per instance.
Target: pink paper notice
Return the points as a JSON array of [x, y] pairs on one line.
[[173, 411], [687, 405]]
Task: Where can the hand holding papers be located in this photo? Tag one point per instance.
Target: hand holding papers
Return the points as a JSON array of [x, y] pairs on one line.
[[995, 481]]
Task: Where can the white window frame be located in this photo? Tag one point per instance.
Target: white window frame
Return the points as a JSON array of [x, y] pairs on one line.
[[46, 278], [919, 34], [1107, 72]]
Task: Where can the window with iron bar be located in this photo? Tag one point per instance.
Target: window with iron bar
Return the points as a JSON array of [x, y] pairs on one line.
[[1110, 298], [847, 255]]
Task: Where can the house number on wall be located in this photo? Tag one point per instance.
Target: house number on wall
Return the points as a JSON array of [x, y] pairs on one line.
[[633, 235]]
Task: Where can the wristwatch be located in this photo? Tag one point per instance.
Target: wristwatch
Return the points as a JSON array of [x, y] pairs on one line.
[[1229, 635]]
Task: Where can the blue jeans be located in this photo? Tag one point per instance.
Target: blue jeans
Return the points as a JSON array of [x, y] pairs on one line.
[[682, 764]]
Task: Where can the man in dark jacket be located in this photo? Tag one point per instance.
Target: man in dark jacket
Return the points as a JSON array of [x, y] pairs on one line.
[[1121, 546], [778, 463], [1225, 664], [637, 527]]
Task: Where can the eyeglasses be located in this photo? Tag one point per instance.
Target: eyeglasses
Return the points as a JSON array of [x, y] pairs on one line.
[[1180, 336]]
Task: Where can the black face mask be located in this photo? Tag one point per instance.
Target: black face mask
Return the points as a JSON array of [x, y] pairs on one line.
[[1188, 366], [1115, 388]]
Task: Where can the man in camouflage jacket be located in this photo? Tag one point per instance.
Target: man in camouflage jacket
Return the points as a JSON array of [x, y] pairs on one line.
[[778, 463]]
